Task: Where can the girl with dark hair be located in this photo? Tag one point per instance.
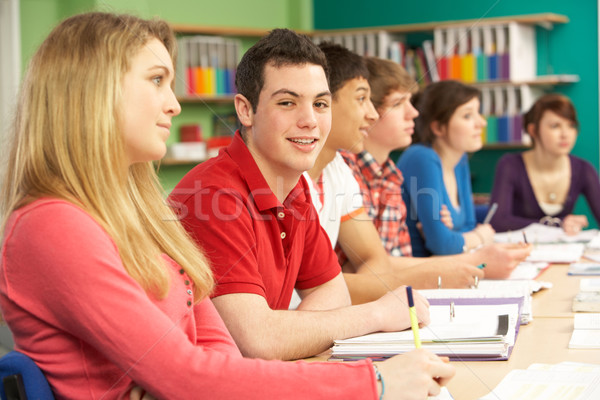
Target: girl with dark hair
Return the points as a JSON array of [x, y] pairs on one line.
[[543, 184], [436, 171]]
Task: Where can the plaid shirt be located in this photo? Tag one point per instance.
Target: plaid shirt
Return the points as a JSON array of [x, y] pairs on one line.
[[382, 198]]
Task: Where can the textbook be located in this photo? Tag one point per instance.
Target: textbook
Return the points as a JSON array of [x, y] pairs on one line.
[[567, 380], [586, 331], [464, 330]]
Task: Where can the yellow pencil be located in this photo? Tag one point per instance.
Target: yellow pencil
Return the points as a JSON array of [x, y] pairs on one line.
[[414, 322]]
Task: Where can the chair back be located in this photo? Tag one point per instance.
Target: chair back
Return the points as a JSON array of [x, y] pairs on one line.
[[22, 379]]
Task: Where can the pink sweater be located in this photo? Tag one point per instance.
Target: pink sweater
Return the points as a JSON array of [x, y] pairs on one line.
[[95, 333]]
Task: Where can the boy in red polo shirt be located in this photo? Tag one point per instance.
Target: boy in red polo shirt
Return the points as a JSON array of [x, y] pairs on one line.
[[251, 212]]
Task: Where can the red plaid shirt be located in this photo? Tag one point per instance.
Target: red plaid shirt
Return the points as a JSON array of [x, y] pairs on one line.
[[382, 198]]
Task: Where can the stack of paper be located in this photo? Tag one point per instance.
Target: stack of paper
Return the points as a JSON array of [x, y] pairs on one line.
[[586, 332], [528, 270], [566, 380], [539, 233], [475, 332], [557, 253], [595, 242]]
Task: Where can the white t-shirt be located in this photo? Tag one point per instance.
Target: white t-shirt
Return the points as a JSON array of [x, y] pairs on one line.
[[340, 200], [340, 196]]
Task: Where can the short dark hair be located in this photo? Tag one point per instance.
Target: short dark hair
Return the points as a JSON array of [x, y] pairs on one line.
[[280, 47], [557, 103], [344, 65], [437, 102]]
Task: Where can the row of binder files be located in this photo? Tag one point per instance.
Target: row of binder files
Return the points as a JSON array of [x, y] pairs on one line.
[[505, 52]]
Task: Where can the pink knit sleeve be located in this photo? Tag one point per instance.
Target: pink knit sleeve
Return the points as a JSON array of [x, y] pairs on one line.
[[67, 297]]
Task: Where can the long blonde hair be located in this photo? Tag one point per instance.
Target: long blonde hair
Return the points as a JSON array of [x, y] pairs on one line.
[[66, 145]]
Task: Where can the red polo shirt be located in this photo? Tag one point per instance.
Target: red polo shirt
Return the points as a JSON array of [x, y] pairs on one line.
[[255, 244]]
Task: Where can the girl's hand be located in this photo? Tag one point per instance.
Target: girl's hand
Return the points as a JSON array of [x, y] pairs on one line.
[[446, 217], [573, 224]]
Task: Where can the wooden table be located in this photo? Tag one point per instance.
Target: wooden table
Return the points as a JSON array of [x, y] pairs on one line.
[[544, 340], [556, 302]]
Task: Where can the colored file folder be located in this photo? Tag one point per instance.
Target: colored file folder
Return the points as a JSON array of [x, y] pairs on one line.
[[481, 329]]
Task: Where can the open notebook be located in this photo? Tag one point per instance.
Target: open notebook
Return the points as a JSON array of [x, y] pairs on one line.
[[480, 330]]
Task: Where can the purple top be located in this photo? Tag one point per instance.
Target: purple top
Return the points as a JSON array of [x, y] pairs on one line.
[[517, 205]]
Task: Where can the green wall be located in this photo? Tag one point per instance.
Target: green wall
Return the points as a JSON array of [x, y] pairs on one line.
[[38, 17], [570, 48]]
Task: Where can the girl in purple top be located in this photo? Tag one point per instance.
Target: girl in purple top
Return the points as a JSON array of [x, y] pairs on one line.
[[544, 183]]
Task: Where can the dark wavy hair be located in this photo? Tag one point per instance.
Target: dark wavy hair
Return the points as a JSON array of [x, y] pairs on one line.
[[557, 103], [437, 102]]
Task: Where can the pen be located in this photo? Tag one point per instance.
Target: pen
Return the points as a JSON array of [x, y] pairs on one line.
[[482, 266], [524, 237], [490, 213], [414, 322]]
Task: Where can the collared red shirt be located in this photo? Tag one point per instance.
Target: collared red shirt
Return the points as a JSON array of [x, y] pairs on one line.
[[382, 198], [255, 244]]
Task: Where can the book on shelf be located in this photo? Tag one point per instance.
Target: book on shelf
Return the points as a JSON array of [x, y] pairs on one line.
[[522, 51], [206, 66], [503, 52], [452, 48], [503, 106], [462, 329], [380, 43], [586, 331], [430, 58]]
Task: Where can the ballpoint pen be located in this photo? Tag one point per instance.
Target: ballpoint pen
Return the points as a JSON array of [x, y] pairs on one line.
[[414, 322], [490, 213]]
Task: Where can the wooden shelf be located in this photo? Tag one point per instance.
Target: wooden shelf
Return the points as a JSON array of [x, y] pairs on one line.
[[218, 30], [505, 146], [545, 80], [190, 29], [201, 99], [545, 19]]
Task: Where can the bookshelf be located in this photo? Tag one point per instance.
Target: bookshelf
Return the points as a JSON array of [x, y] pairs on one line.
[[206, 105], [498, 55], [546, 20], [201, 104]]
